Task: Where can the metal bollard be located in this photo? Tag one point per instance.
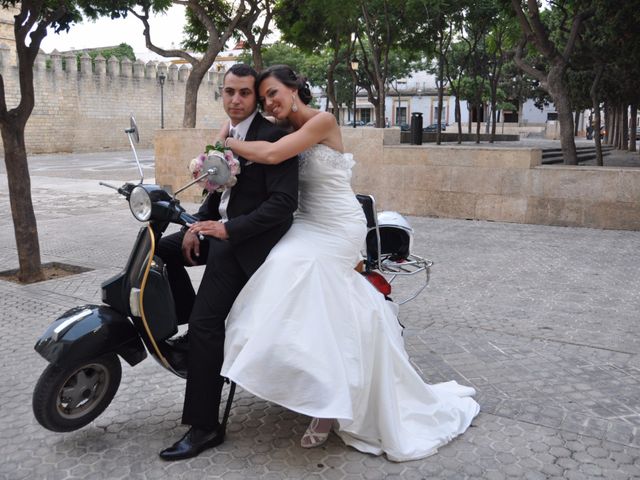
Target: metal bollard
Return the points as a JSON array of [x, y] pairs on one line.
[[416, 128]]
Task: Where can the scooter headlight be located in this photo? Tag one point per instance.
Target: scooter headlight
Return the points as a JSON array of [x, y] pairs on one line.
[[140, 204]]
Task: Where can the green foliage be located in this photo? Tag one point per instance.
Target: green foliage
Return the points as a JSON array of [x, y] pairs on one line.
[[121, 52], [312, 24], [196, 35]]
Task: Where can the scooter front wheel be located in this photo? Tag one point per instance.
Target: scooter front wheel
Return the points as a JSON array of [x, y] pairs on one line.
[[66, 399]]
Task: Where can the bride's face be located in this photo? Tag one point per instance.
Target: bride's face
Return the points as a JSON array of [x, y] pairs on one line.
[[276, 97]]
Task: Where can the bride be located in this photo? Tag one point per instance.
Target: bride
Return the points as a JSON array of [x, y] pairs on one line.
[[311, 334]]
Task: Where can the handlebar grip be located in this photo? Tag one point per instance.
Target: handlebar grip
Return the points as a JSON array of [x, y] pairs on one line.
[[185, 218]]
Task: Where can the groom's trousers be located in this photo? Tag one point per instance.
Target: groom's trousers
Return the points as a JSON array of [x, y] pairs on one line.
[[221, 283]]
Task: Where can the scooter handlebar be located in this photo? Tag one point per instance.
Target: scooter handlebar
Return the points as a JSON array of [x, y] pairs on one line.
[[186, 219], [124, 190]]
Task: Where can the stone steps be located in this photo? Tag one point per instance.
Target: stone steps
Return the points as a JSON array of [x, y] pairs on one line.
[[554, 155]]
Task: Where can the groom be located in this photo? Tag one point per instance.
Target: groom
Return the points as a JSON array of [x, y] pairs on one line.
[[240, 227]]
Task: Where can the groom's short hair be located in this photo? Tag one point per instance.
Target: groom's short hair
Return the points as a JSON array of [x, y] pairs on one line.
[[242, 70]]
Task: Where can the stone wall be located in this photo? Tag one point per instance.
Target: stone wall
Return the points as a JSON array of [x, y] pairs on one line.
[[174, 149], [87, 107], [471, 182], [487, 183]]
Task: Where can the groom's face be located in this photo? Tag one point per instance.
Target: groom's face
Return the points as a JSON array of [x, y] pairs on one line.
[[238, 97]]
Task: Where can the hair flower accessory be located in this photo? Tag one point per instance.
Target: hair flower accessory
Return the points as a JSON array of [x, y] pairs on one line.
[[196, 167]]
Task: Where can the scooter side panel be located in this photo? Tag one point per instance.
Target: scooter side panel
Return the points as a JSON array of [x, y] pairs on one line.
[[89, 331]]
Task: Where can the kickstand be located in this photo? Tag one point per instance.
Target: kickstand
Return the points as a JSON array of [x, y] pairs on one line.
[[227, 408]]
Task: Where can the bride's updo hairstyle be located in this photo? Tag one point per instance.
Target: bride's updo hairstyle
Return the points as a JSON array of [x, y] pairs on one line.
[[285, 75]]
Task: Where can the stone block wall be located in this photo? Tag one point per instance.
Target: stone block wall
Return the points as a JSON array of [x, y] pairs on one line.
[[174, 149], [468, 182], [87, 107], [485, 183], [599, 197]]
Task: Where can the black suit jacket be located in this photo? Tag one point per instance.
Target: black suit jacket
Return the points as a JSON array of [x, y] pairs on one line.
[[261, 204]]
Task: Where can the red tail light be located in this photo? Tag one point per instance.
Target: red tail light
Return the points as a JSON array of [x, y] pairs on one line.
[[379, 282]]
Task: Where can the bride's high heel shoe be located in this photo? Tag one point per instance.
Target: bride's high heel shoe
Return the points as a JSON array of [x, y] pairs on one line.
[[317, 433]]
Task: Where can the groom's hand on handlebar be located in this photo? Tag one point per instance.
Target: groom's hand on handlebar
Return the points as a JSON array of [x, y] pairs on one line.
[[212, 228]]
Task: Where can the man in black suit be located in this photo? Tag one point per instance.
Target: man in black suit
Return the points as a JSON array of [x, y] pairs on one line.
[[241, 226]]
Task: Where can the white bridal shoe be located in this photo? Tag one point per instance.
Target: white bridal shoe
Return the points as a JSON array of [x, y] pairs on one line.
[[313, 437]]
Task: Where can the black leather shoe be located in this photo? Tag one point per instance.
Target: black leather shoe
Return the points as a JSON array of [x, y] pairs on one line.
[[176, 358], [196, 440]]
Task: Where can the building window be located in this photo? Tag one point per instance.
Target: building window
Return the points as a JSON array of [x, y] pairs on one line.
[[552, 115], [365, 115], [443, 118], [401, 115]]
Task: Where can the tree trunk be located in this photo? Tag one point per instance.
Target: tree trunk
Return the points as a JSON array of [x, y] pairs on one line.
[[24, 219], [576, 123], [633, 126], [458, 115], [595, 104], [440, 93], [478, 107], [256, 56], [379, 107], [624, 134], [494, 117], [194, 80], [560, 96], [615, 134], [332, 94]]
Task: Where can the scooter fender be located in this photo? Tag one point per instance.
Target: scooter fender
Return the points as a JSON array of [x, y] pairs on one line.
[[89, 331]]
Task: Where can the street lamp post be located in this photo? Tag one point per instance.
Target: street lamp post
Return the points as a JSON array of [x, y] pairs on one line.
[[354, 67], [161, 78], [337, 104]]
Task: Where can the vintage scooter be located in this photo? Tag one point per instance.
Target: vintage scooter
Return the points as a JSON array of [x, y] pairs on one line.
[[137, 315]]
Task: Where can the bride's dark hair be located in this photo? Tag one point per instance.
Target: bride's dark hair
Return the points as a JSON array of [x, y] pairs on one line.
[[288, 77]]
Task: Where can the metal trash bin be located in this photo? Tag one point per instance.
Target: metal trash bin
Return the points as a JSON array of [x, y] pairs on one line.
[[416, 128]]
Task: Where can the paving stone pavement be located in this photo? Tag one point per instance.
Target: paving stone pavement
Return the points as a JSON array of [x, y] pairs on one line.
[[542, 321]]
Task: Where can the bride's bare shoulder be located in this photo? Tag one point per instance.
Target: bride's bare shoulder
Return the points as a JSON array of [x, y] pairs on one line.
[[325, 117]]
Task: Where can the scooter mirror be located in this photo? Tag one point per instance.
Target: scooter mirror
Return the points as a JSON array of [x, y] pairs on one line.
[[218, 168], [134, 129]]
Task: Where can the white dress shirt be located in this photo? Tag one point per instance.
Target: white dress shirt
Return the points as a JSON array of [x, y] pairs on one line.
[[238, 131]]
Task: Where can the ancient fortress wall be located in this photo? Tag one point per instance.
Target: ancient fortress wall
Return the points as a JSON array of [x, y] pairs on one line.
[[86, 107]]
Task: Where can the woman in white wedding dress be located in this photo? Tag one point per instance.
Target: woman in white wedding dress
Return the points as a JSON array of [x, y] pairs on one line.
[[311, 334]]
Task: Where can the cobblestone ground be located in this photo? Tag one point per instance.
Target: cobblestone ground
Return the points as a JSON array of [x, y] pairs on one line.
[[542, 321]]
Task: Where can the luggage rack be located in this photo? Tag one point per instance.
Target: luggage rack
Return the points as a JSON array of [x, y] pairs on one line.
[[389, 241]]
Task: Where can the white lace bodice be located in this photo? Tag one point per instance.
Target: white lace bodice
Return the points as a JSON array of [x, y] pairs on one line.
[[326, 197], [322, 156]]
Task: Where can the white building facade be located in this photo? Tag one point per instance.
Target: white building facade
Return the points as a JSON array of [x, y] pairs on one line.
[[418, 93]]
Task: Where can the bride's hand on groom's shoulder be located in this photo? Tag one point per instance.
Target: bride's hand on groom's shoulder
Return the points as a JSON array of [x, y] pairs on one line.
[[223, 133]]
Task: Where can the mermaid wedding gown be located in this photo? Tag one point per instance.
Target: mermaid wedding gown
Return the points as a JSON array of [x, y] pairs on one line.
[[311, 334]]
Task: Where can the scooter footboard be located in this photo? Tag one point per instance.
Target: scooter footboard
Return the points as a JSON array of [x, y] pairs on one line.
[[90, 331]]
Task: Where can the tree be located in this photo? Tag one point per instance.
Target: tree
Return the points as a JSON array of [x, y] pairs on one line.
[[322, 27], [501, 38], [255, 33], [557, 53], [439, 22], [384, 25], [30, 27], [219, 18], [253, 26]]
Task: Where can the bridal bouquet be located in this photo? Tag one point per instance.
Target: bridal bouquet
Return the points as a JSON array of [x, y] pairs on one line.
[[195, 167]]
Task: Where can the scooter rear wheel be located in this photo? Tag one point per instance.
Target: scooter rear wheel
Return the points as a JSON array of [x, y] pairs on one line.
[[66, 399]]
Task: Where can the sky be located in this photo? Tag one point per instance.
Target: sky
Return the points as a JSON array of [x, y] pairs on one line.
[[165, 30]]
